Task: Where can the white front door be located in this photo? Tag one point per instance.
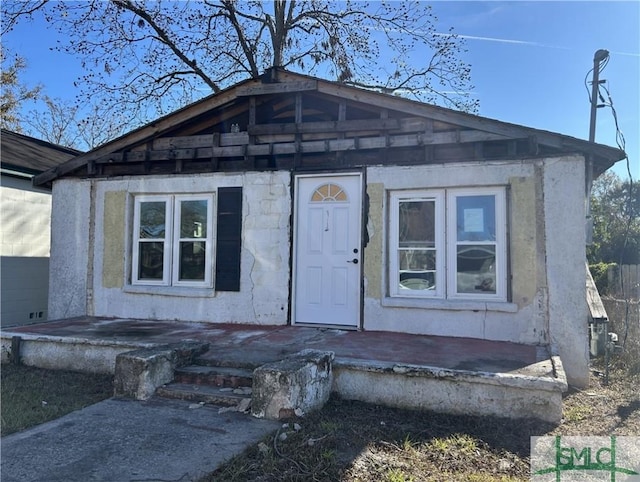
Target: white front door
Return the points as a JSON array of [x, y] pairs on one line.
[[327, 245]]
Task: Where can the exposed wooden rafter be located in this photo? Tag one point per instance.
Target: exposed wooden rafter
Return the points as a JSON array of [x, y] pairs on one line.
[[277, 88], [238, 145]]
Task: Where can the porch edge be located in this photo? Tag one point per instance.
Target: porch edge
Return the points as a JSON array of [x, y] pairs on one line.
[[557, 383], [458, 392], [68, 353]]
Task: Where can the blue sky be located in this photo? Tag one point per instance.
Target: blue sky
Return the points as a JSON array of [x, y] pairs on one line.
[[529, 61]]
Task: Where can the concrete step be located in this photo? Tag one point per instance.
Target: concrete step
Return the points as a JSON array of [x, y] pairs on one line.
[[215, 376], [204, 393]]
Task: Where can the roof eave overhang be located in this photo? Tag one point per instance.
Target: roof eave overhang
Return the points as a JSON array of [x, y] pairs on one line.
[[144, 133], [602, 156]]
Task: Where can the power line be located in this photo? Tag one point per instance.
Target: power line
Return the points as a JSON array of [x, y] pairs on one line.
[[600, 63]]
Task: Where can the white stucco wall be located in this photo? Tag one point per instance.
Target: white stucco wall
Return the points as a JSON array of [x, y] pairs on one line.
[[519, 320], [547, 259], [25, 214], [264, 285], [545, 201], [70, 231], [565, 245]]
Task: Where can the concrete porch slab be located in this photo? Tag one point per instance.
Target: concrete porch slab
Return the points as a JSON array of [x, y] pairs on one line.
[[461, 375], [254, 345]]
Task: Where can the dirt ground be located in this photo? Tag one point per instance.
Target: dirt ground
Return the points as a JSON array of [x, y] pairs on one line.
[[352, 441]]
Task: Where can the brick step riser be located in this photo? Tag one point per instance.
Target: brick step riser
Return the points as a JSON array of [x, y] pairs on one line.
[[213, 380], [212, 362], [228, 401]]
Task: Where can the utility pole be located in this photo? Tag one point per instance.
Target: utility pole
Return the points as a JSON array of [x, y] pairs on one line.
[[598, 58]]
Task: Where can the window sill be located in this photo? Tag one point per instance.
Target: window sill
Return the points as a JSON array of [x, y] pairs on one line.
[[178, 291], [454, 305]]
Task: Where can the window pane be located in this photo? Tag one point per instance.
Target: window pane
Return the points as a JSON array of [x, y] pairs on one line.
[[193, 219], [417, 260], [417, 269], [476, 269], [150, 260], [424, 281], [152, 219], [417, 224], [192, 260], [476, 218]]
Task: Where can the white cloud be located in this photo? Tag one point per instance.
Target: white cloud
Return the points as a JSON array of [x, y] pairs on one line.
[[503, 40]]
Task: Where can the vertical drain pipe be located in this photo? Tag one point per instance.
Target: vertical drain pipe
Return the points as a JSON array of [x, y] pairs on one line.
[[15, 357]]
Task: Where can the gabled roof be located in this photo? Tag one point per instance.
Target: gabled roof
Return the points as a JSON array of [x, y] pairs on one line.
[[28, 155], [289, 120]]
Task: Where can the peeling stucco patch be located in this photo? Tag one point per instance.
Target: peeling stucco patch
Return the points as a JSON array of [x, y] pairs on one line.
[[299, 384], [524, 210], [373, 253], [113, 261]]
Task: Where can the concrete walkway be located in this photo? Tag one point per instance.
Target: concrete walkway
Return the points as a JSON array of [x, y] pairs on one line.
[[127, 441]]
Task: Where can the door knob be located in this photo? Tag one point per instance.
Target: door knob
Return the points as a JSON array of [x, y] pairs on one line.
[[354, 261]]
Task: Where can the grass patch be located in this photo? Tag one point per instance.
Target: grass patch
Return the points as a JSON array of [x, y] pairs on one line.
[[357, 442], [31, 396], [576, 413], [353, 441], [395, 475]]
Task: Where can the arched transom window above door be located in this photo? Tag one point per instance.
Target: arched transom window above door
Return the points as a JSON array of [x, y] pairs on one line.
[[329, 193]]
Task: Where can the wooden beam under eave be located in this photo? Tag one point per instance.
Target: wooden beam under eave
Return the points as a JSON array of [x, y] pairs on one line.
[[208, 122], [342, 117], [299, 147], [250, 160], [339, 126], [478, 150], [147, 157], [298, 137], [252, 111], [534, 149], [428, 154], [298, 107], [215, 142], [460, 119], [277, 88], [140, 135]]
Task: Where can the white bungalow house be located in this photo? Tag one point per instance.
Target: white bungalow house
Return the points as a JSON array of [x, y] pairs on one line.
[[25, 215], [294, 200]]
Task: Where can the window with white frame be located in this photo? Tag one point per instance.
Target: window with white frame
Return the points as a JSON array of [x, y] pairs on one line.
[[417, 240], [173, 240], [448, 244]]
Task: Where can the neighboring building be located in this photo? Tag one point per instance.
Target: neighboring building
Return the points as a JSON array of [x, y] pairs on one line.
[[294, 200], [25, 214]]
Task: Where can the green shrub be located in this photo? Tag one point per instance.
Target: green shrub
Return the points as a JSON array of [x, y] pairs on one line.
[[600, 274]]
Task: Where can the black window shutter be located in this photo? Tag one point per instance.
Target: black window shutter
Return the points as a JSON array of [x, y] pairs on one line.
[[229, 239]]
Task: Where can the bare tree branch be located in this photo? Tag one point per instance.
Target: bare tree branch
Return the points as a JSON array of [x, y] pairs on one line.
[[14, 93], [146, 58], [249, 51], [15, 11], [164, 38]]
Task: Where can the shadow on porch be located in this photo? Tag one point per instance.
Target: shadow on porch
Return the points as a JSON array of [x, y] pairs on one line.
[[459, 375]]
